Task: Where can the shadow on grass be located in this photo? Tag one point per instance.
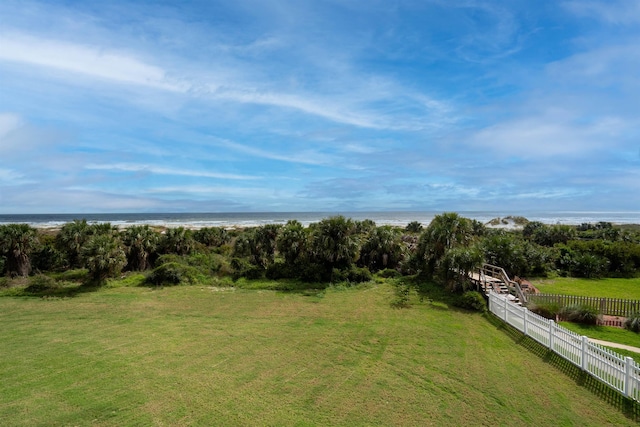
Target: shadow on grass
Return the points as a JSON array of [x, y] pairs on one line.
[[629, 407], [63, 291]]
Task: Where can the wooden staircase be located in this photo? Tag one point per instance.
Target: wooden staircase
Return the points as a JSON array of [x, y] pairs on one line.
[[493, 278]]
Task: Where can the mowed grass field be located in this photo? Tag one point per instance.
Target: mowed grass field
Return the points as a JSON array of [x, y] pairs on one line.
[[603, 288], [218, 356]]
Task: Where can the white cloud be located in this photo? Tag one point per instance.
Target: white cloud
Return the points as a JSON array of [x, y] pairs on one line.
[[8, 123], [86, 60], [611, 11], [305, 157], [549, 135], [200, 190], [130, 167], [10, 177]]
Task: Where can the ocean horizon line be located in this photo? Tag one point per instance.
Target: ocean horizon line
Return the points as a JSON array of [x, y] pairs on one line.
[[250, 219]]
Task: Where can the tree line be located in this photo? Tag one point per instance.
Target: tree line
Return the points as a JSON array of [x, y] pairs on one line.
[[335, 249]]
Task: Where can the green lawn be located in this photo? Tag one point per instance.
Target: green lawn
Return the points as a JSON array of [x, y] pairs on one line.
[[608, 288], [218, 356]]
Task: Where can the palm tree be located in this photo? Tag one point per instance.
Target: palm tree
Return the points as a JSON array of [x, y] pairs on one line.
[[177, 241], [265, 244], [334, 243], [17, 241], [104, 256], [71, 238], [212, 236], [141, 242], [446, 231], [292, 242], [457, 263], [259, 244], [383, 248]]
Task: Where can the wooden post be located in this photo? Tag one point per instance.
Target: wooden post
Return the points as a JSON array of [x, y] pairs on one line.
[[524, 322], [552, 327]]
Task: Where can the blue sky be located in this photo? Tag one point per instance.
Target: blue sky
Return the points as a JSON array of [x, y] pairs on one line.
[[334, 105]]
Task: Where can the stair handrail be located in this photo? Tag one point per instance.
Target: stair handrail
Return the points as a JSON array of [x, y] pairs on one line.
[[498, 272]]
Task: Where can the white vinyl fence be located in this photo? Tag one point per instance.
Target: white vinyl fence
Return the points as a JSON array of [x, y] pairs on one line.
[[620, 373]]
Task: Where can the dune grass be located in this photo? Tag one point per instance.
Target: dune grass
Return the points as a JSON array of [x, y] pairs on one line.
[[224, 356], [606, 288]]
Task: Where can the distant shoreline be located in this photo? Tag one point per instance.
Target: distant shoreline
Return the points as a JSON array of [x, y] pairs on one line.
[[255, 219]]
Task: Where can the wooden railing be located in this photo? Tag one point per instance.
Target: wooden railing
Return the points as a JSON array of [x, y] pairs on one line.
[[496, 272]]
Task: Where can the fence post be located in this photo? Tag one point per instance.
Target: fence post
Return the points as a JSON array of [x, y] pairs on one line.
[[552, 327], [506, 314], [524, 322], [584, 363], [628, 377]]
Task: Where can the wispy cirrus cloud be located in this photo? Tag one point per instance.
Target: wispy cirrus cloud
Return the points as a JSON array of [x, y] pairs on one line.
[[159, 170], [306, 157], [618, 12], [85, 60]]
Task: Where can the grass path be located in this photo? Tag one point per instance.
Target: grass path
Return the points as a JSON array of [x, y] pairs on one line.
[[206, 356]]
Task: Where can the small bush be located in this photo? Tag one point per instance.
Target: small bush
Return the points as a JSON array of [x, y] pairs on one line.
[[41, 283], [359, 274], [579, 314], [414, 227], [388, 273], [402, 295], [313, 273], [172, 273], [351, 275], [472, 300], [241, 267], [546, 310], [633, 322], [280, 270]]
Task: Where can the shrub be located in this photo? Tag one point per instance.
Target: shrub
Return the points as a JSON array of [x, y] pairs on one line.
[[313, 273], [352, 275], [402, 294], [388, 273], [359, 275], [172, 273], [547, 310], [48, 258], [41, 283], [633, 322], [104, 256], [281, 270], [414, 227], [579, 314], [241, 267], [472, 300]]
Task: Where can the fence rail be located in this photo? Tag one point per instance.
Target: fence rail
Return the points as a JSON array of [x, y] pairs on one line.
[[620, 373], [607, 306]]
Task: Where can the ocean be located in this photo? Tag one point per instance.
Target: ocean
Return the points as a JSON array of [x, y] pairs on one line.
[[251, 219]]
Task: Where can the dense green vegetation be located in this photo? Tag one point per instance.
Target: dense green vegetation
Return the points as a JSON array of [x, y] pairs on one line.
[[209, 355], [334, 250]]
